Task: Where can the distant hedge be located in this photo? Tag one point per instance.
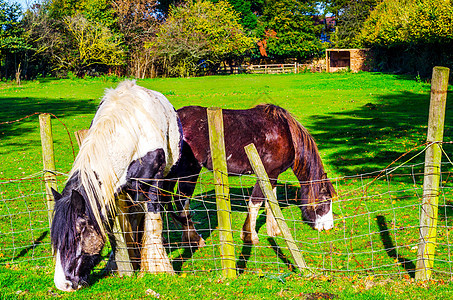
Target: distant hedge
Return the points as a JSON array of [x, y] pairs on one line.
[[410, 35]]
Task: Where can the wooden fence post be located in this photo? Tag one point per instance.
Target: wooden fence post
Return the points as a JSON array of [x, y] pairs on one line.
[[433, 155], [122, 259], [222, 190], [48, 160], [327, 61], [266, 187]]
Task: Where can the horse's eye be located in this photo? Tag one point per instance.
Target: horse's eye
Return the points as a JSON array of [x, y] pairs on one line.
[[81, 224], [81, 221]]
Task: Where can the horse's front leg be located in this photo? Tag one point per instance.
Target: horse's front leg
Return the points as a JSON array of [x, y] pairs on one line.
[[248, 233], [187, 170], [127, 224], [154, 258]]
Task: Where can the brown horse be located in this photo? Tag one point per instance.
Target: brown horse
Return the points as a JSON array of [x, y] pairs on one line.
[[282, 143]]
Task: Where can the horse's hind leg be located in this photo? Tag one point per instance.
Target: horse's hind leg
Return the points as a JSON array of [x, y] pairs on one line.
[[187, 171], [190, 235], [248, 233]]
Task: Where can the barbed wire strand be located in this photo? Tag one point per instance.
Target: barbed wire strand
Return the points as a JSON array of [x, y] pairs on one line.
[[53, 115]]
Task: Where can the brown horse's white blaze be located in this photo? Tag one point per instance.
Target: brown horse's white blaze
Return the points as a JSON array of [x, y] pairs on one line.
[[134, 140], [324, 222], [282, 143]]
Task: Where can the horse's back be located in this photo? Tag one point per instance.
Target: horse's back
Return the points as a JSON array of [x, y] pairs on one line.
[[131, 122], [143, 113], [269, 133]]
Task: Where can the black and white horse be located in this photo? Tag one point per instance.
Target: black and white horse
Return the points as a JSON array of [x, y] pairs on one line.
[[135, 133]]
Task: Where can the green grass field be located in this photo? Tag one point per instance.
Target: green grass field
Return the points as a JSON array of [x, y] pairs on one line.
[[362, 123]]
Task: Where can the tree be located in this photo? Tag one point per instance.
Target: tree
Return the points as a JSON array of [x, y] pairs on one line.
[[410, 35], [74, 35], [47, 41], [12, 42], [247, 17], [403, 22], [350, 18], [99, 11], [138, 21], [334, 7], [296, 36], [198, 36], [93, 43]]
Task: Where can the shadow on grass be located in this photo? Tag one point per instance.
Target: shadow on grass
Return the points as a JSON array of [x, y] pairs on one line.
[[35, 244], [372, 136], [280, 255], [207, 221], [186, 255], [247, 250], [390, 248], [16, 108]]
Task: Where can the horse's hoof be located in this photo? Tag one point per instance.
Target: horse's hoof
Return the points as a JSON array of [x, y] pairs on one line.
[[193, 240], [274, 232], [250, 238], [201, 243]]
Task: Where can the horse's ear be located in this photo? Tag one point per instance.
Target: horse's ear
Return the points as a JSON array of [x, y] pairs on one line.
[[56, 195], [78, 202]]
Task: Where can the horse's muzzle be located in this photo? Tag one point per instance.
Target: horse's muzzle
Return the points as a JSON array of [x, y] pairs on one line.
[[324, 222], [67, 286]]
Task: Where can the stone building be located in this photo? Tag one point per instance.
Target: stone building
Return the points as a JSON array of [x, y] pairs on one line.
[[343, 59]]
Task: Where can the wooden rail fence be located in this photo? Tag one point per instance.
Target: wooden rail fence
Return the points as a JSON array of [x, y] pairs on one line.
[[273, 68]]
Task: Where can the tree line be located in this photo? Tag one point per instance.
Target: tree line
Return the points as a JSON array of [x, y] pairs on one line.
[[148, 38]]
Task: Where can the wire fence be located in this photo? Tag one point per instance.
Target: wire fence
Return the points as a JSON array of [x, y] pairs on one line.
[[376, 230], [24, 226]]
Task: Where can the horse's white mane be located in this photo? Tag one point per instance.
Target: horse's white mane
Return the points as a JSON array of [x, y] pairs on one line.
[[130, 121]]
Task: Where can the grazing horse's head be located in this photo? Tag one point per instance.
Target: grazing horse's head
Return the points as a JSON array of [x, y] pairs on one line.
[[77, 239], [317, 204]]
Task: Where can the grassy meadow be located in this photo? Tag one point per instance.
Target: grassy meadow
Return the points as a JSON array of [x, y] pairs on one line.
[[363, 123]]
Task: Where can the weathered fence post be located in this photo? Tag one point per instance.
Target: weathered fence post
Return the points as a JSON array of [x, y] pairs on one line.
[[266, 187], [327, 62], [222, 190], [48, 160], [428, 217], [122, 260]]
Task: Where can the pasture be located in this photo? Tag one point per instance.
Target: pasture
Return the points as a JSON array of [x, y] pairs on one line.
[[362, 123]]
